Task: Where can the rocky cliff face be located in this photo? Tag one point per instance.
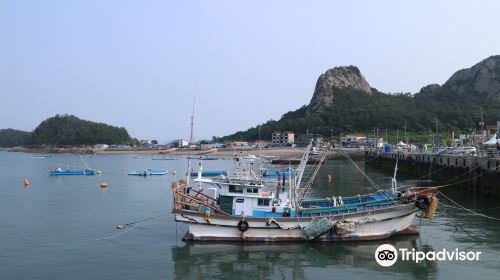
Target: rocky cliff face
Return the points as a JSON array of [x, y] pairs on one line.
[[430, 89], [336, 78], [483, 78]]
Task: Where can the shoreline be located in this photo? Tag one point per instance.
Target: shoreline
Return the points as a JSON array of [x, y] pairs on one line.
[[278, 152]]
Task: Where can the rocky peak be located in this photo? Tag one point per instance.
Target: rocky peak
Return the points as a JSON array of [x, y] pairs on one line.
[[483, 77], [336, 78], [430, 89]]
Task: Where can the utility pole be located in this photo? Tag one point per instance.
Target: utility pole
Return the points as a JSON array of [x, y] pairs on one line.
[[406, 136], [482, 126]]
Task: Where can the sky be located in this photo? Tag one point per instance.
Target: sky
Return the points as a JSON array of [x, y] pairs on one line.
[[138, 64]]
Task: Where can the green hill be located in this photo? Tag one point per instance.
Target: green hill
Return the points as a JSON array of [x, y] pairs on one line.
[[11, 137], [66, 130], [69, 130]]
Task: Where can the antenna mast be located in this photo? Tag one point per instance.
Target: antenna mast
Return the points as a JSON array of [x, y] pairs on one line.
[[192, 123]]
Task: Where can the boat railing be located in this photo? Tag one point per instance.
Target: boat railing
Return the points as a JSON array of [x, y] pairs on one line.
[[184, 200]]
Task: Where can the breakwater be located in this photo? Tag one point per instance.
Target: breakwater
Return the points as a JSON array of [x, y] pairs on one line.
[[473, 173]]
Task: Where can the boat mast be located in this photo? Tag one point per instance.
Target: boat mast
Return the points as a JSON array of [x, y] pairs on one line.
[[394, 181], [190, 142]]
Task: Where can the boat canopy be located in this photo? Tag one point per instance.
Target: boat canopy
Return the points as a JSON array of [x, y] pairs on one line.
[[493, 140]]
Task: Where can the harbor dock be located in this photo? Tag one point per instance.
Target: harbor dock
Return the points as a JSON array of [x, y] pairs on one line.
[[479, 174]]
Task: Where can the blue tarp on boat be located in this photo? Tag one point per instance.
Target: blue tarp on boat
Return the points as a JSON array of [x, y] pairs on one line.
[[274, 174]]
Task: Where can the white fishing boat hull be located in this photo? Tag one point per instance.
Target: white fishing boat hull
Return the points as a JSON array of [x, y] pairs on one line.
[[372, 225]]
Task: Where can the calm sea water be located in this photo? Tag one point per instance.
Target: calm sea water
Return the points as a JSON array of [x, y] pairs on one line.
[[53, 229]]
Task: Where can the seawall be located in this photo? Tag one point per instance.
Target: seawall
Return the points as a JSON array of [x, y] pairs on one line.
[[476, 174]]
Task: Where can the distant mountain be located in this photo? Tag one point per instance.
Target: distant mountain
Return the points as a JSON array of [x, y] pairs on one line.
[[66, 130], [343, 101]]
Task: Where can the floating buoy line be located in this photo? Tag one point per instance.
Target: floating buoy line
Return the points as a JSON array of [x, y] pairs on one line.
[[130, 226]]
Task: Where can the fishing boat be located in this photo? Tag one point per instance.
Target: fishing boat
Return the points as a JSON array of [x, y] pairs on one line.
[[61, 172], [163, 158], [148, 172], [40, 156], [250, 157], [203, 157], [210, 173], [236, 209]]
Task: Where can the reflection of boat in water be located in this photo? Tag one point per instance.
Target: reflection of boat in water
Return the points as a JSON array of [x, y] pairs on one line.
[[291, 260], [148, 172], [236, 209]]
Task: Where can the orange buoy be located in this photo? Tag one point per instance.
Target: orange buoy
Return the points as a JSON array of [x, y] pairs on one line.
[[104, 185], [329, 178], [26, 182]]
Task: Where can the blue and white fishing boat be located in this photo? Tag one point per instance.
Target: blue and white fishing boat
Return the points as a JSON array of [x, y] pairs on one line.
[[148, 172], [210, 173], [59, 171], [250, 209], [163, 158], [62, 172]]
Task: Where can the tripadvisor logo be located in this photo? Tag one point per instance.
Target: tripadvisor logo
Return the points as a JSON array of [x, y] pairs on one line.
[[387, 255]]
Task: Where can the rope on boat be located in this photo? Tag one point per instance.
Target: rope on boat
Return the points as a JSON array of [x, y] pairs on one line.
[[458, 226], [447, 185], [469, 210], [373, 183], [134, 224]]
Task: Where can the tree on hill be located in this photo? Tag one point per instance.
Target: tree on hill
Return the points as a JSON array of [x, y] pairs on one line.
[[11, 137], [62, 130]]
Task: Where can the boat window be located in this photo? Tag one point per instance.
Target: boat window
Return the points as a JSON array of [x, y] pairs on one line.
[[252, 190], [263, 201], [235, 189], [240, 200]]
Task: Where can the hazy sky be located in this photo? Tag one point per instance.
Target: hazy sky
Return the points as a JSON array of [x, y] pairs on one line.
[[138, 64]]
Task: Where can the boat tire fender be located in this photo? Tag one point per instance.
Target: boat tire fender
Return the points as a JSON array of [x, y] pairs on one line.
[[243, 225], [422, 202]]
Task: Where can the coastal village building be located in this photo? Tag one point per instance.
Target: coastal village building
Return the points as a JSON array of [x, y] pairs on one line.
[[260, 144], [101, 146], [282, 138], [180, 143], [305, 138], [353, 138], [237, 144]]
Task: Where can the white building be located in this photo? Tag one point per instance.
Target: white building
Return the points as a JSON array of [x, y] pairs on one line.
[[282, 138]]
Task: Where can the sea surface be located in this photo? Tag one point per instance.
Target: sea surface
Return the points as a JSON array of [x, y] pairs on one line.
[[65, 228]]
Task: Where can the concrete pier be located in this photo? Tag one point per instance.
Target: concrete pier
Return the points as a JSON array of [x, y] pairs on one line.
[[477, 174]]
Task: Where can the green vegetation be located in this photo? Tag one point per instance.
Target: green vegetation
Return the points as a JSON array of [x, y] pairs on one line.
[[11, 137], [66, 130], [354, 111]]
